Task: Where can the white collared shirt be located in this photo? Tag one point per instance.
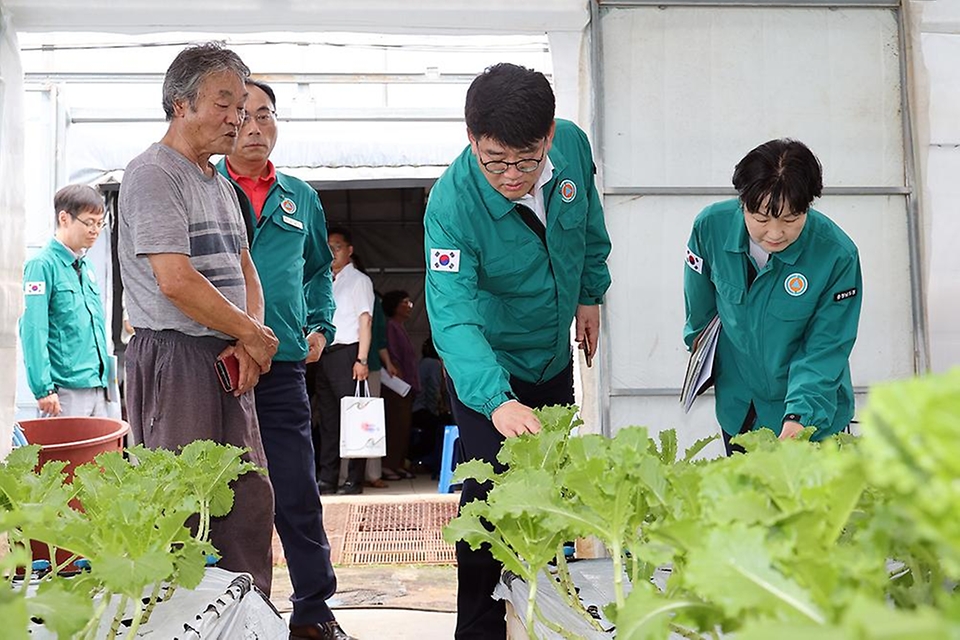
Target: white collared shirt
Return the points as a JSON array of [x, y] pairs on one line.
[[534, 199], [759, 255], [76, 254], [353, 293]]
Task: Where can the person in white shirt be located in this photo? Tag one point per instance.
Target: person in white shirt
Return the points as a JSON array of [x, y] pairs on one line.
[[344, 363]]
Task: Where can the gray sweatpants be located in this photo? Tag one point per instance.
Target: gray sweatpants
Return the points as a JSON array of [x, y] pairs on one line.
[[173, 398], [83, 402]]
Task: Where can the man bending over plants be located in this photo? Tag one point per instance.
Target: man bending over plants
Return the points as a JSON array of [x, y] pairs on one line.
[[516, 251]]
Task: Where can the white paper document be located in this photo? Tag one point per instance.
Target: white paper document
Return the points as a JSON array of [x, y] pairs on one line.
[[397, 385], [699, 375]]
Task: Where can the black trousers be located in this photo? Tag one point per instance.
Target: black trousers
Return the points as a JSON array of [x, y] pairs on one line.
[[479, 616], [747, 426], [334, 380], [284, 413]]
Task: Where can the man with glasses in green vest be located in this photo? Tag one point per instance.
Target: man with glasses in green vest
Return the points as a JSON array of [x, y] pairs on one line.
[[516, 251], [63, 328]]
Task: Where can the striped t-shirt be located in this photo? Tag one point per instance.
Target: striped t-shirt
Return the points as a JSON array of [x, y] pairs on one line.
[[168, 206]]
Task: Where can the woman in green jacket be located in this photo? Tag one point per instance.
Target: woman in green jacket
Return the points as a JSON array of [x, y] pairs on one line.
[[786, 283]]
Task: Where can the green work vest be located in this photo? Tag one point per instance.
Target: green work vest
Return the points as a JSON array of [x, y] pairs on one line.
[[63, 328], [786, 339], [500, 302], [288, 245]]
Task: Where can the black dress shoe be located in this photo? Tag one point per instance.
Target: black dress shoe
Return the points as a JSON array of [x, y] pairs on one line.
[[350, 488], [319, 631], [326, 488]]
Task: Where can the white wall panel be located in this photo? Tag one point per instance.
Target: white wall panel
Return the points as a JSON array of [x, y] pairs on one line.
[[943, 179], [688, 91], [11, 220], [645, 304], [660, 413], [941, 54]]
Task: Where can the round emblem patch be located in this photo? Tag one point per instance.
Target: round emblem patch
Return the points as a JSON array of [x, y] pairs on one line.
[[795, 284], [288, 205], [568, 190]]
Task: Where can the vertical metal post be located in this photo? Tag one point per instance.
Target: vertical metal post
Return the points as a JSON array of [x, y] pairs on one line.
[[596, 108], [921, 349]]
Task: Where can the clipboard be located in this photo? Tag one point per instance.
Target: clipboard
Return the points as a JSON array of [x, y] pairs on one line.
[[699, 375]]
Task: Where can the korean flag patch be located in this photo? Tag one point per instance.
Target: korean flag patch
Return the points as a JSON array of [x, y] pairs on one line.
[[694, 261], [34, 288], [445, 260]]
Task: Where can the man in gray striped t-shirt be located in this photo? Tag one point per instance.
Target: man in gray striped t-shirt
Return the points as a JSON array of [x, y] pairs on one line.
[[193, 294]]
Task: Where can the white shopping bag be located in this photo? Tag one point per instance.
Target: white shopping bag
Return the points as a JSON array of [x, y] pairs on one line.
[[363, 430]]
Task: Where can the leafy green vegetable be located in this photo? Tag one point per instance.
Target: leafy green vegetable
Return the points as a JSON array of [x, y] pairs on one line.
[[132, 529], [845, 538]]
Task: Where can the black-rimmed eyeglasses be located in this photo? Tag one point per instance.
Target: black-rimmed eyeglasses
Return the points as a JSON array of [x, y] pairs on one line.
[[523, 165]]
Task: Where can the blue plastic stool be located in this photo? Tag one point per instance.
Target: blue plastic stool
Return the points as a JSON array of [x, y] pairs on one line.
[[448, 458], [19, 440]]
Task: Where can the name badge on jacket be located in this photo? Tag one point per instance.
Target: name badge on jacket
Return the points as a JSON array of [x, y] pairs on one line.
[[293, 222]]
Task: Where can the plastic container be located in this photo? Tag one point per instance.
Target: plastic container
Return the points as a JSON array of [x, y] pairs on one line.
[[76, 441]]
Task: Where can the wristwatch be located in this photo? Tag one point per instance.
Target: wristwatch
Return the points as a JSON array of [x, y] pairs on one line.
[[362, 361], [791, 417]]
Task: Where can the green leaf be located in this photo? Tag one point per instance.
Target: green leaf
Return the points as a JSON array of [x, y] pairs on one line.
[[733, 568], [13, 612], [908, 448], [559, 418], [469, 527], [129, 575], [876, 620], [62, 611], [476, 469], [648, 615], [668, 446], [191, 562], [697, 447], [767, 629]]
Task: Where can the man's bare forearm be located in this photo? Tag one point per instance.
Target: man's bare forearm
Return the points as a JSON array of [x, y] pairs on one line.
[[366, 336], [197, 299]]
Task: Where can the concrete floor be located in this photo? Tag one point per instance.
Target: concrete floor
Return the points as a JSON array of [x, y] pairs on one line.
[[388, 602], [397, 624], [395, 602]]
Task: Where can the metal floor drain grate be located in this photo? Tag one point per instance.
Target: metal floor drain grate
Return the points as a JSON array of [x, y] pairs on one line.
[[398, 533]]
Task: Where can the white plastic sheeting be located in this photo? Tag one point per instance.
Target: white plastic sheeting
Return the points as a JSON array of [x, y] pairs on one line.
[[11, 216], [238, 16], [941, 53], [96, 149], [224, 606], [698, 88]]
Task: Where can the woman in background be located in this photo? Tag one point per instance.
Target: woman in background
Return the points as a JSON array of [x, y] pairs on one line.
[[399, 409]]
